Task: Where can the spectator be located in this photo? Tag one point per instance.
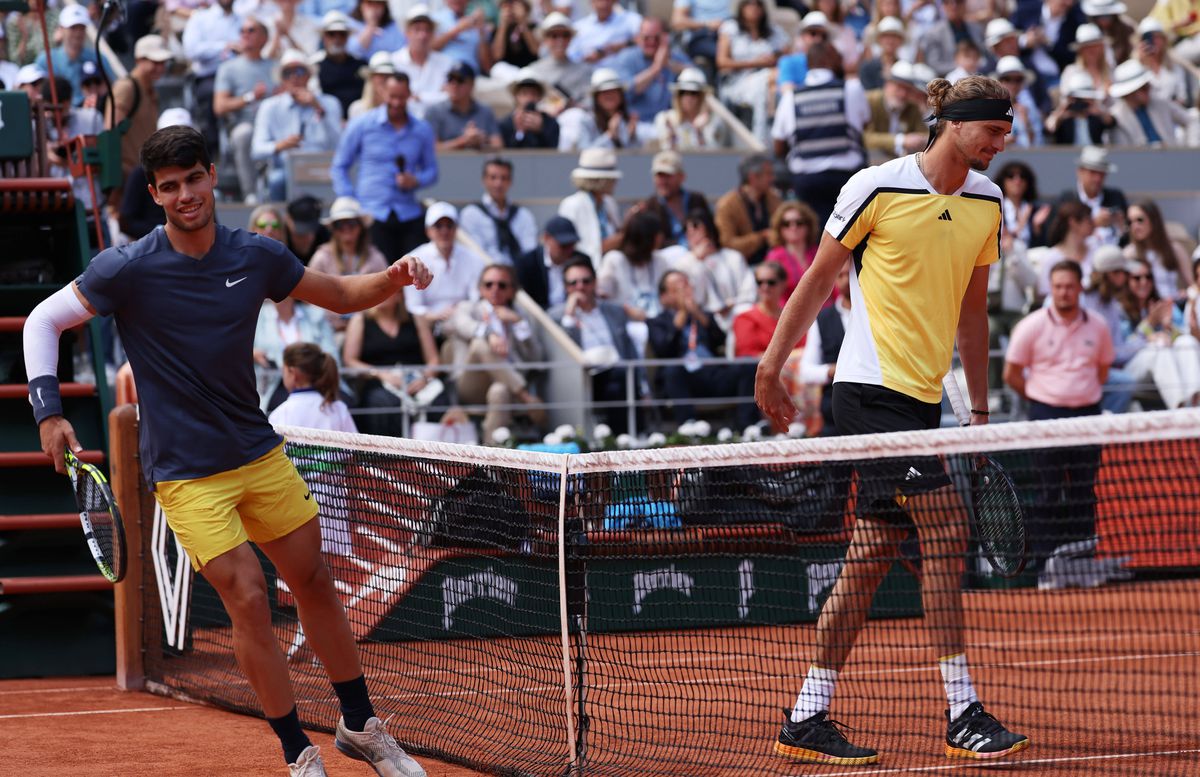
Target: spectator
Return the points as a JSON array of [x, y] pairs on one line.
[[841, 35], [556, 68], [1050, 32], [305, 232], [1143, 119], [1091, 58], [397, 354], [349, 252], [592, 210], [821, 347], [503, 229], [210, 37], [242, 83], [1109, 16], [689, 125], [338, 72], [395, 157], [1169, 80], [672, 201], [968, 58], [601, 329], [1170, 356], [1182, 18], [515, 42], [600, 35], [267, 220], [684, 331], [1068, 240], [310, 376], [296, 119], [629, 275], [743, 215], [1191, 316], [748, 48], [29, 80], [1027, 130], [698, 21], [91, 83], [608, 124], [814, 28], [650, 68], [874, 72], [463, 36], [139, 214], [528, 126], [293, 30], [1149, 243], [1058, 360], [539, 272], [76, 122], [375, 85], [493, 333], [753, 327], [1108, 205], [795, 233], [1004, 40], [135, 99], [281, 324], [889, 9], [425, 68], [68, 58], [1082, 117], [1024, 216], [22, 32], [940, 41], [1108, 290], [374, 30], [820, 131], [897, 123], [456, 268], [723, 281], [460, 122]]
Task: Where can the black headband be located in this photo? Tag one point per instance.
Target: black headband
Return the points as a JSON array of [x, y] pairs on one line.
[[978, 109]]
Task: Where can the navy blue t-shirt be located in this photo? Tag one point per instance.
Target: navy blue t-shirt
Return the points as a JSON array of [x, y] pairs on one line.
[[188, 328]]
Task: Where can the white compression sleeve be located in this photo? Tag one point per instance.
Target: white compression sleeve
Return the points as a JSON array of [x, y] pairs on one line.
[[45, 325]]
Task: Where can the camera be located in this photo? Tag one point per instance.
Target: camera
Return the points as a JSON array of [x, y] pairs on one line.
[[531, 106], [1148, 38]]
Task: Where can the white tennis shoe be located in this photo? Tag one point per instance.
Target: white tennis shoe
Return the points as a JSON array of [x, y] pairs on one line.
[[309, 764], [377, 747]]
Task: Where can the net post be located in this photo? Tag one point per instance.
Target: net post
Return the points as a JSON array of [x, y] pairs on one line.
[[127, 595], [564, 623]]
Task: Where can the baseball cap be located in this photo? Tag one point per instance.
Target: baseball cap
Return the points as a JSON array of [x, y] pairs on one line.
[[305, 212], [561, 229], [29, 74], [440, 210], [335, 21], [72, 16], [461, 72], [556, 19], [419, 13], [88, 72], [669, 162], [175, 117], [151, 47]]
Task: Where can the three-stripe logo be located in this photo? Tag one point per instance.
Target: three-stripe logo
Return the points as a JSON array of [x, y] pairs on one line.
[[945, 216]]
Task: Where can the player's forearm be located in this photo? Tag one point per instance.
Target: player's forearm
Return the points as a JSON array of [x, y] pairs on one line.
[[360, 292], [973, 351], [43, 328], [802, 308]]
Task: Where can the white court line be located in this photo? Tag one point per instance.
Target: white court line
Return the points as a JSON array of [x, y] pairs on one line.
[[112, 687], [92, 712], [1011, 764]]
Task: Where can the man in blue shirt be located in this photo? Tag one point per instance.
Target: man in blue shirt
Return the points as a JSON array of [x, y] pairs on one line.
[[463, 36], [186, 299], [395, 156], [69, 57], [650, 68]]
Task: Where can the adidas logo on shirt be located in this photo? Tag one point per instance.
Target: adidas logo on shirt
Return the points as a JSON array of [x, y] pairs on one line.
[[945, 216]]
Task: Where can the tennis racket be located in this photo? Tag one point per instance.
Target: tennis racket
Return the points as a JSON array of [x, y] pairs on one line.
[[999, 515], [102, 527]]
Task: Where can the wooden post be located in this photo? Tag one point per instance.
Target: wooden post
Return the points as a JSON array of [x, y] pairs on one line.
[[129, 492]]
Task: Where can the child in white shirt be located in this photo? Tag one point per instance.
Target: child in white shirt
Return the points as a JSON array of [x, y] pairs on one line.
[[311, 377]]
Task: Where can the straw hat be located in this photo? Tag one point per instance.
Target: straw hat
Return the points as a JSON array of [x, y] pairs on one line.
[[291, 58], [335, 21], [1128, 77], [691, 79], [345, 208], [379, 65], [597, 163]]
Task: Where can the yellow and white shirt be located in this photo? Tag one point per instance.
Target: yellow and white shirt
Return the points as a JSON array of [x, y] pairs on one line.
[[914, 253]]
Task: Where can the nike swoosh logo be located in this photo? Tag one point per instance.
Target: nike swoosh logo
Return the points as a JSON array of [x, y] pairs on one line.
[[230, 284], [40, 397], [306, 496]]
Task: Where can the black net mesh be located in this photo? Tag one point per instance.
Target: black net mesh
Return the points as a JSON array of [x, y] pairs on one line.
[[669, 625]]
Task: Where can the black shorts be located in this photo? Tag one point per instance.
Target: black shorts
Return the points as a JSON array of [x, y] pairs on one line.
[[861, 408]]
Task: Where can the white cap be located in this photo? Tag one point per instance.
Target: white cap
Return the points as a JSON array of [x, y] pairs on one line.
[[419, 12], [1128, 77], [814, 19], [335, 21], [74, 15], [151, 47], [29, 74], [440, 210], [175, 117], [293, 57], [1087, 34], [557, 19], [606, 78], [889, 25], [1103, 7], [1150, 24], [381, 63], [997, 30]]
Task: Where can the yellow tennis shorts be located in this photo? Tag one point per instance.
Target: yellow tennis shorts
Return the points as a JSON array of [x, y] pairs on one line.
[[260, 501]]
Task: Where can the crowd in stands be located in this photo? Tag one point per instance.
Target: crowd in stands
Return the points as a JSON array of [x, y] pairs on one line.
[[387, 86]]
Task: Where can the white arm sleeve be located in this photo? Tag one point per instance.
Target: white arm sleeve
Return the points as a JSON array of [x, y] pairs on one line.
[[57, 313]]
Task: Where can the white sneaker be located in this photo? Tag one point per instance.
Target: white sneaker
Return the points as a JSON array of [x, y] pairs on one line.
[[309, 764], [377, 747]]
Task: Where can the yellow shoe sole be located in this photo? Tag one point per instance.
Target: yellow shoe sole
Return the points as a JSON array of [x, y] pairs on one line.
[[958, 752], [803, 755]]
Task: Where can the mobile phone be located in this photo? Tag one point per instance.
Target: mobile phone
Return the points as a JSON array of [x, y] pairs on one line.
[[401, 163], [531, 106], [1078, 106], [1148, 38]]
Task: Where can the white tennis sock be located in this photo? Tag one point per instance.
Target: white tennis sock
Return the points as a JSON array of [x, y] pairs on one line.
[[815, 694], [957, 679]]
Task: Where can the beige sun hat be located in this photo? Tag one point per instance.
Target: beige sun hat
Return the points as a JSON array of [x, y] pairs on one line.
[[345, 208]]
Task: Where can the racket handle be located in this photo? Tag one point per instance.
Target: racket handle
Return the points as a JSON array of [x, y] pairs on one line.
[[961, 411]]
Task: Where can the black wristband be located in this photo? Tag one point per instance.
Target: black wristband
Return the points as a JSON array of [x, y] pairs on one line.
[[980, 412], [45, 397]]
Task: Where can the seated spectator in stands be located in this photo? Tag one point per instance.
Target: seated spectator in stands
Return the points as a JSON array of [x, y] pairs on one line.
[[1108, 289], [603, 33], [841, 35], [556, 68], [753, 327], [720, 276], [1057, 18], [873, 72], [697, 21], [822, 344], [743, 215], [1107, 204], [1117, 28], [349, 252], [456, 268], [464, 36], [968, 59], [338, 72], [528, 126], [1143, 119], [426, 68], [267, 220], [378, 70], [607, 123], [1082, 117], [1027, 131], [649, 68], [242, 84], [1091, 58], [1068, 239], [1169, 80], [461, 122], [305, 233], [748, 48], [683, 330], [372, 30], [76, 121], [134, 98], [95, 91], [539, 272], [398, 354], [292, 29], [296, 119], [795, 234], [670, 201], [1171, 356], [21, 32], [629, 275], [503, 229], [1002, 40], [793, 67], [211, 36], [1149, 243], [139, 214], [1024, 216], [279, 325], [601, 329], [69, 57], [593, 210], [395, 155], [29, 80], [897, 123], [689, 125], [1191, 316], [941, 40], [515, 42], [494, 333]]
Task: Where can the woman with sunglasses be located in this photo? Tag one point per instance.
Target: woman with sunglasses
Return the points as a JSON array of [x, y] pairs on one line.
[[1169, 356], [1149, 243], [267, 220], [752, 328], [350, 251], [794, 235]]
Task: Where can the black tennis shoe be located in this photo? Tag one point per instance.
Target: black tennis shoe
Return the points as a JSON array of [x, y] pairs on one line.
[[819, 740], [976, 734]]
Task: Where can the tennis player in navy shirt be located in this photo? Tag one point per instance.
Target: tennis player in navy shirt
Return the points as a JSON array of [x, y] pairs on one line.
[[186, 298]]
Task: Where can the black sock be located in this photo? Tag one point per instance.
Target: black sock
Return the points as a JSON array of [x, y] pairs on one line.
[[356, 703], [291, 736]]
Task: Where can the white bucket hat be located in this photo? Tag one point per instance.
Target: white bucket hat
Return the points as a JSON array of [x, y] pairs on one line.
[[344, 209], [1095, 158], [690, 79], [606, 78], [1128, 77], [997, 30], [1087, 35], [1009, 65], [597, 163], [1080, 85]]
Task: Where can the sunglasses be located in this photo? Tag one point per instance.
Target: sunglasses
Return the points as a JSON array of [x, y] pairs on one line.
[[444, 225], [264, 224], [1138, 277], [293, 72], [345, 224], [580, 282], [767, 281], [558, 35], [792, 223], [502, 285]]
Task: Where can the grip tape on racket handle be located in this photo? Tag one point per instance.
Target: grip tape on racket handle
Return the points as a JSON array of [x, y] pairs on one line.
[[961, 412]]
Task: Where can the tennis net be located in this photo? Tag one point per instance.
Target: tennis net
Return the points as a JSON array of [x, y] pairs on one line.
[[654, 612]]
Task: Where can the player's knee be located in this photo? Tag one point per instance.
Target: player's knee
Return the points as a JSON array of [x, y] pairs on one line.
[[245, 597], [310, 579]]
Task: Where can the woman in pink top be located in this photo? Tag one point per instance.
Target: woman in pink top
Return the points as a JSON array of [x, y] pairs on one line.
[[794, 235], [752, 329], [350, 252]]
